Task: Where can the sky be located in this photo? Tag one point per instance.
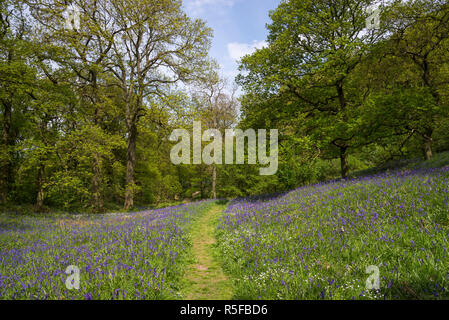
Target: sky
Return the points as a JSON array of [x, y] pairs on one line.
[[239, 27]]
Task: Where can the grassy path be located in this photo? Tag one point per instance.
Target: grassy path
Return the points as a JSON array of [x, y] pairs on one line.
[[205, 278]]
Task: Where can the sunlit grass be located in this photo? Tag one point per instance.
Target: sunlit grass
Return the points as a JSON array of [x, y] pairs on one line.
[[121, 256], [316, 242]]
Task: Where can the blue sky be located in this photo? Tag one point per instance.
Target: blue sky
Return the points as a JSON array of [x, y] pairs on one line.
[[239, 27]]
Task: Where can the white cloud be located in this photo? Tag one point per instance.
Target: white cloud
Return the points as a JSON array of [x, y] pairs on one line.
[[199, 6], [237, 50]]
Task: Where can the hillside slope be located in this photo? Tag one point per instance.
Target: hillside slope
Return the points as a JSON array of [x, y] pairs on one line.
[[318, 241]]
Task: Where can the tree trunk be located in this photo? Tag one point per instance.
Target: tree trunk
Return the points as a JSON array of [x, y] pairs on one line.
[[96, 181], [5, 166], [427, 145], [130, 166], [344, 162], [97, 197], [343, 149], [427, 136], [214, 181], [40, 188]]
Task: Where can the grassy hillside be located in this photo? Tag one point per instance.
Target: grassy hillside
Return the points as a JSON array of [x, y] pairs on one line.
[[324, 241], [317, 242], [120, 256]]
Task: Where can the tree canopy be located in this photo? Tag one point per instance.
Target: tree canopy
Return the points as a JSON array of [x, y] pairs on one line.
[[91, 90]]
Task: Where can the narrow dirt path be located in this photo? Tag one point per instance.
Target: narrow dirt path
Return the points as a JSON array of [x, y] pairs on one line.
[[205, 278]]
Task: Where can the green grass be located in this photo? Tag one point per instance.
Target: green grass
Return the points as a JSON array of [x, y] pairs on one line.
[[204, 278], [140, 255], [438, 160], [316, 242]]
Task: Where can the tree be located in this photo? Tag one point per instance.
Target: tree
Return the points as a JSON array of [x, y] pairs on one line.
[[159, 46], [421, 37], [140, 46], [217, 105], [83, 50], [314, 48], [16, 78]]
